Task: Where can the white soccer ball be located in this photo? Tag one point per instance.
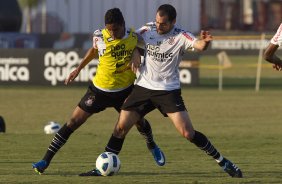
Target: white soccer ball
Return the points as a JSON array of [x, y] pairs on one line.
[[108, 164], [52, 127]]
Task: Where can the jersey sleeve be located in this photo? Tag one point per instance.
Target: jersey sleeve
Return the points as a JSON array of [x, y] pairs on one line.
[[277, 38], [145, 28], [188, 39], [97, 36], [140, 33]]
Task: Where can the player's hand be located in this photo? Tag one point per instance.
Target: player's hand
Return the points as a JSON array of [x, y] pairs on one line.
[[277, 67], [72, 76], [206, 36], [135, 61], [134, 65]]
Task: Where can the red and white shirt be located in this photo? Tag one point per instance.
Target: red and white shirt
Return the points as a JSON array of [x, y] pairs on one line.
[[163, 53], [277, 38]]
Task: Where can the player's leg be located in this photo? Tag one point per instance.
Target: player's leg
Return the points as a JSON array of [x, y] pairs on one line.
[[125, 122], [89, 104], [183, 124], [138, 96], [144, 128], [78, 117]]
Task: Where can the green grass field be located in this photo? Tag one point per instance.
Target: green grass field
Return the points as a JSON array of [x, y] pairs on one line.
[[244, 125], [242, 73]]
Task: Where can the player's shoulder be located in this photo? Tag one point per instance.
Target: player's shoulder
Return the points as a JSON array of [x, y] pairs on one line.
[[129, 29], [150, 26], [98, 33], [280, 26], [187, 34], [279, 30], [179, 30]]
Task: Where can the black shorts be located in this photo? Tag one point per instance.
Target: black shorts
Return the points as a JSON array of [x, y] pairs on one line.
[[144, 100], [96, 100]]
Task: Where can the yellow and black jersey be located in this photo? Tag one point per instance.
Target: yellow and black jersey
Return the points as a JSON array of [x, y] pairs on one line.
[[113, 72]]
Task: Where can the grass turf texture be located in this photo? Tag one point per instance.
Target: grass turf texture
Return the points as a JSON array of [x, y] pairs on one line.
[[245, 126], [242, 74]]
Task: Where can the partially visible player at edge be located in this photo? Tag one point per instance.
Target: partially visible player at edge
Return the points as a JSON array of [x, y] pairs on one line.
[[158, 85], [269, 53], [111, 85]]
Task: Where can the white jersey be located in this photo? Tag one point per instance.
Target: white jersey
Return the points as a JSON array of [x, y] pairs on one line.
[[277, 38], [163, 54]]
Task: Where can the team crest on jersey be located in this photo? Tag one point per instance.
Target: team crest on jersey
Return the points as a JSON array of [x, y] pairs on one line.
[[171, 40], [90, 101]]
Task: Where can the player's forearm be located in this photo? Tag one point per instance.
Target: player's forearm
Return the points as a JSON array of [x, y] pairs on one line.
[[201, 45], [273, 59], [206, 45], [89, 56], [269, 54]]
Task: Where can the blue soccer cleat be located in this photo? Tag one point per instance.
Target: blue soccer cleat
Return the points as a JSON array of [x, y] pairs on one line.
[[158, 156], [40, 166], [231, 169]]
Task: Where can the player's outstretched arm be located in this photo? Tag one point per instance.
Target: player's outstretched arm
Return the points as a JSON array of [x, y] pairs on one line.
[[89, 56], [204, 41], [269, 55]]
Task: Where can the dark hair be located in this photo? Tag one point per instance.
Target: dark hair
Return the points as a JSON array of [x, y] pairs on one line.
[[114, 16], [167, 10]]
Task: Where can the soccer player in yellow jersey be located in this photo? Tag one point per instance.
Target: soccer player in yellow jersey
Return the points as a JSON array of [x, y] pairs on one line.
[[110, 86]]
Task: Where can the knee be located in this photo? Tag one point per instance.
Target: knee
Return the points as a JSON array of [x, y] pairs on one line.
[[125, 122], [74, 123], [120, 131], [188, 135]]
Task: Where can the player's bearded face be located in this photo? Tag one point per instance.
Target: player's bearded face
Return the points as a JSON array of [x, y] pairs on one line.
[[163, 24], [116, 31]]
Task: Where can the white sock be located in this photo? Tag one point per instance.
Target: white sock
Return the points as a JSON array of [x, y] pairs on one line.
[[219, 159]]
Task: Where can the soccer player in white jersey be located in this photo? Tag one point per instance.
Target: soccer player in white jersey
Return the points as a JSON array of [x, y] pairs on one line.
[[269, 53], [158, 84], [110, 86]]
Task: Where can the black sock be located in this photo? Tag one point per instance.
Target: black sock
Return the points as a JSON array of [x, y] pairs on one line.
[[58, 141], [202, 142], [114, 145], [146, 131]]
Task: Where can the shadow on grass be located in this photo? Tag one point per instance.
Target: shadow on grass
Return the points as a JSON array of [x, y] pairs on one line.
[[146, 174]]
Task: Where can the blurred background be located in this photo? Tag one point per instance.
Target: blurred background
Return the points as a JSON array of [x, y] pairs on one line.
[[42, 40]]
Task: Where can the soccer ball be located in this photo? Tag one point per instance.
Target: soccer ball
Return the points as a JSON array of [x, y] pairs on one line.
[[108, 164], [52, 127]]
